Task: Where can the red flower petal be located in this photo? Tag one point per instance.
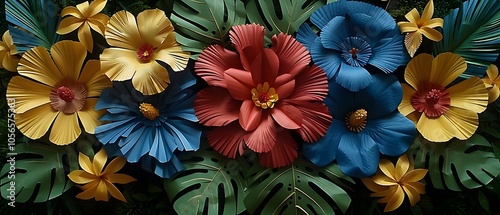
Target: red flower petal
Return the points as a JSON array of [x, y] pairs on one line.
[[212, 63], [283, 153], [265, 68], [316, 120], [227, 140], [250, 115], [214, 106], [310, 85], [248, 41], [287, 115], [285, 85], [239, 84], [263, 138], [292, 55]]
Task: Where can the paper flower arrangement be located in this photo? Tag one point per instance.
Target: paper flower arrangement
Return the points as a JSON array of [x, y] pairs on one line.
[[250, 107]]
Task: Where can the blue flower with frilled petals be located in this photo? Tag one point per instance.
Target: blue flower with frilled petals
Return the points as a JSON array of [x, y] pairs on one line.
[[353, 35], [365, 124], [150, 129]]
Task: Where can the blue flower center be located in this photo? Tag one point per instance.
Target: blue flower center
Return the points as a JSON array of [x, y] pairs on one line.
[[355, 51]]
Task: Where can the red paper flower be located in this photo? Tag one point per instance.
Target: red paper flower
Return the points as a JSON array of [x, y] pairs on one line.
[[258, 95]]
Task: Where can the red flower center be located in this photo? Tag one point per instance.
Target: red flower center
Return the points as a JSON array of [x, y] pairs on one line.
[[65, 93], [263, 97], [431, 99], [145, 52], [68, 96], [354, 52]]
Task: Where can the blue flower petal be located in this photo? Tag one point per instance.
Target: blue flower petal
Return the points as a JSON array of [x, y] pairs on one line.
[[324, 150], [358, 155], [381, 97], [327, 59], [394, 133], [306, 36], [334, 33], [388, 53], [137, 144], [340, 101], [370, 21], [324, 14], [183, 79], [186, 134], [164, 170], [111, 132], [353, 78]]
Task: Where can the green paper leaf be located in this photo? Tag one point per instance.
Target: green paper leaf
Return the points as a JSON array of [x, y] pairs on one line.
[[483, 201], [471, 31], [465, 164], [40, 171], [200, 23], [210, 184], [281, 16], [300, 188]]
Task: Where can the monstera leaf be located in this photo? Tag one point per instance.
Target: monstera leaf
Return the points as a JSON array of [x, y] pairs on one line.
[[471, 31], [458, 164], [281, 16], [38, 171], [200, 23], [32, 23], [210, 184], [300, 188]]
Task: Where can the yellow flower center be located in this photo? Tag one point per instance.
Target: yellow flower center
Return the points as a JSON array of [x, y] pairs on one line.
[[356, 121], [264, 96], [145, 52], [149, 111]]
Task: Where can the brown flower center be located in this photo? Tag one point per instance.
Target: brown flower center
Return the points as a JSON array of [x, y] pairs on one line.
[[431, 99], [145, 52], [354, 52], [149, 111], [356, 121], [68, 96], [264, 96]]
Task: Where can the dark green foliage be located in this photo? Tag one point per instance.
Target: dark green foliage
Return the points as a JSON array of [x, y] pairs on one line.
[[441, 7]]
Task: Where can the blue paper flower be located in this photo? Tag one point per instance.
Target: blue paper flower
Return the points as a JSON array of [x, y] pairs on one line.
[[150, 129], [353, 35], [365, 124]]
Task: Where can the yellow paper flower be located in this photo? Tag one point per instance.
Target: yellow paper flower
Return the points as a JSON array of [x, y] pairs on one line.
[[492, 82], [8, 53], [420, 25], [99, 183], [55, 91], [441, 112], [393, 182], [137, 45], [83, 17]]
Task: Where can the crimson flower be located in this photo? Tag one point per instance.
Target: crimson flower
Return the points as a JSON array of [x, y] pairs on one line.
[[258, 96]]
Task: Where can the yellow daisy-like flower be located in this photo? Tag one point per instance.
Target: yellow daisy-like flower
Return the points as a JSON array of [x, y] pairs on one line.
[[441, 112], [492, 83], [55, 91], [136, 47], [8, 53], [393, 182], [99, 183], [84, 17], [420, 25]]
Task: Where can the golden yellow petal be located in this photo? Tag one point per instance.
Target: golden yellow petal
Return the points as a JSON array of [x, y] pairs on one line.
[[99, 161], [71, 11], [433, 23], [65, 129], [414, 175], [412, 194], [492, 72], [154, 26], [68, 25], [150, 78], [115, 192], [405, 107], [446, 67], [99, 22], [414, 117], [428, 12], [114, 166], [171, 53], [81, 177], [119, 178], [438, 129], [89, 190], [89, 117], [7, 39], [432, 34], [34, 123], [94, 78], [418, 70], [389, 193], [97, 27], [401, 167], [413, 16], [417, 186], [38, 65], [85, 163], [412, 42], [122, 31], [464, 122], [10, 62], [387, 168], [96, 6], [119, 64], [27, 94], [69, 57], [85, 37], [407, 27], [101, 194], [383, 180], [469, 94], [493, 94], [368, 182], [396, 200], [84, 8]]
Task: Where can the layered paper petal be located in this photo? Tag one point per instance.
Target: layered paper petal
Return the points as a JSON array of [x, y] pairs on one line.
[[35, 122], [419, 70], [65, 129], [172, 54], [357, 155], [283, 153], [119, 64], [263, 138], [227, 145], [150, 78], [293, 56], [122, 31], [27, 98], [248, 41], [213, 62], [215, 107], [469, 94], [38, 65], [446, 67]]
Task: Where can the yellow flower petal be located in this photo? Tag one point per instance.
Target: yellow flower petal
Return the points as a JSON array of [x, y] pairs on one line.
[[171, 53], [383, 180], [154, 26], [446, 67], [405, 107], [432, 34], [38, 65], [85, 163], [35, 122], [84, 8], [119, 64], [10, 62], [27, 93], [412, 42], [428, 12], [69, 57], [89, 117], [85, 37], [81, 177], [396, 200], [89, 190], [65, 129], [100, 20], [368, 182], [97, 27], [68, 25], [433, 23], [464, 122], [401, 167], [101, 194], [115, 192], [417, 186], [122, 31], [114, 166], [438, 129], [150, 78], [492, 72], [96, 6], [414, 175], [407, 27], [412, 194], [493, 94], [94, 78], [413, 16], [414, 117], [387, 168], [99, 161], [469, 94], [388, 194], [71, 11], [119, 178], [418, 70]]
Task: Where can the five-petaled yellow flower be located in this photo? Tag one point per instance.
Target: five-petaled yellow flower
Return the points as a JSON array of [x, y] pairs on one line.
[[99, 183], [84, 16], [420, 25], [137, 45], [393, 182], [8, 53], [492, 83]]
